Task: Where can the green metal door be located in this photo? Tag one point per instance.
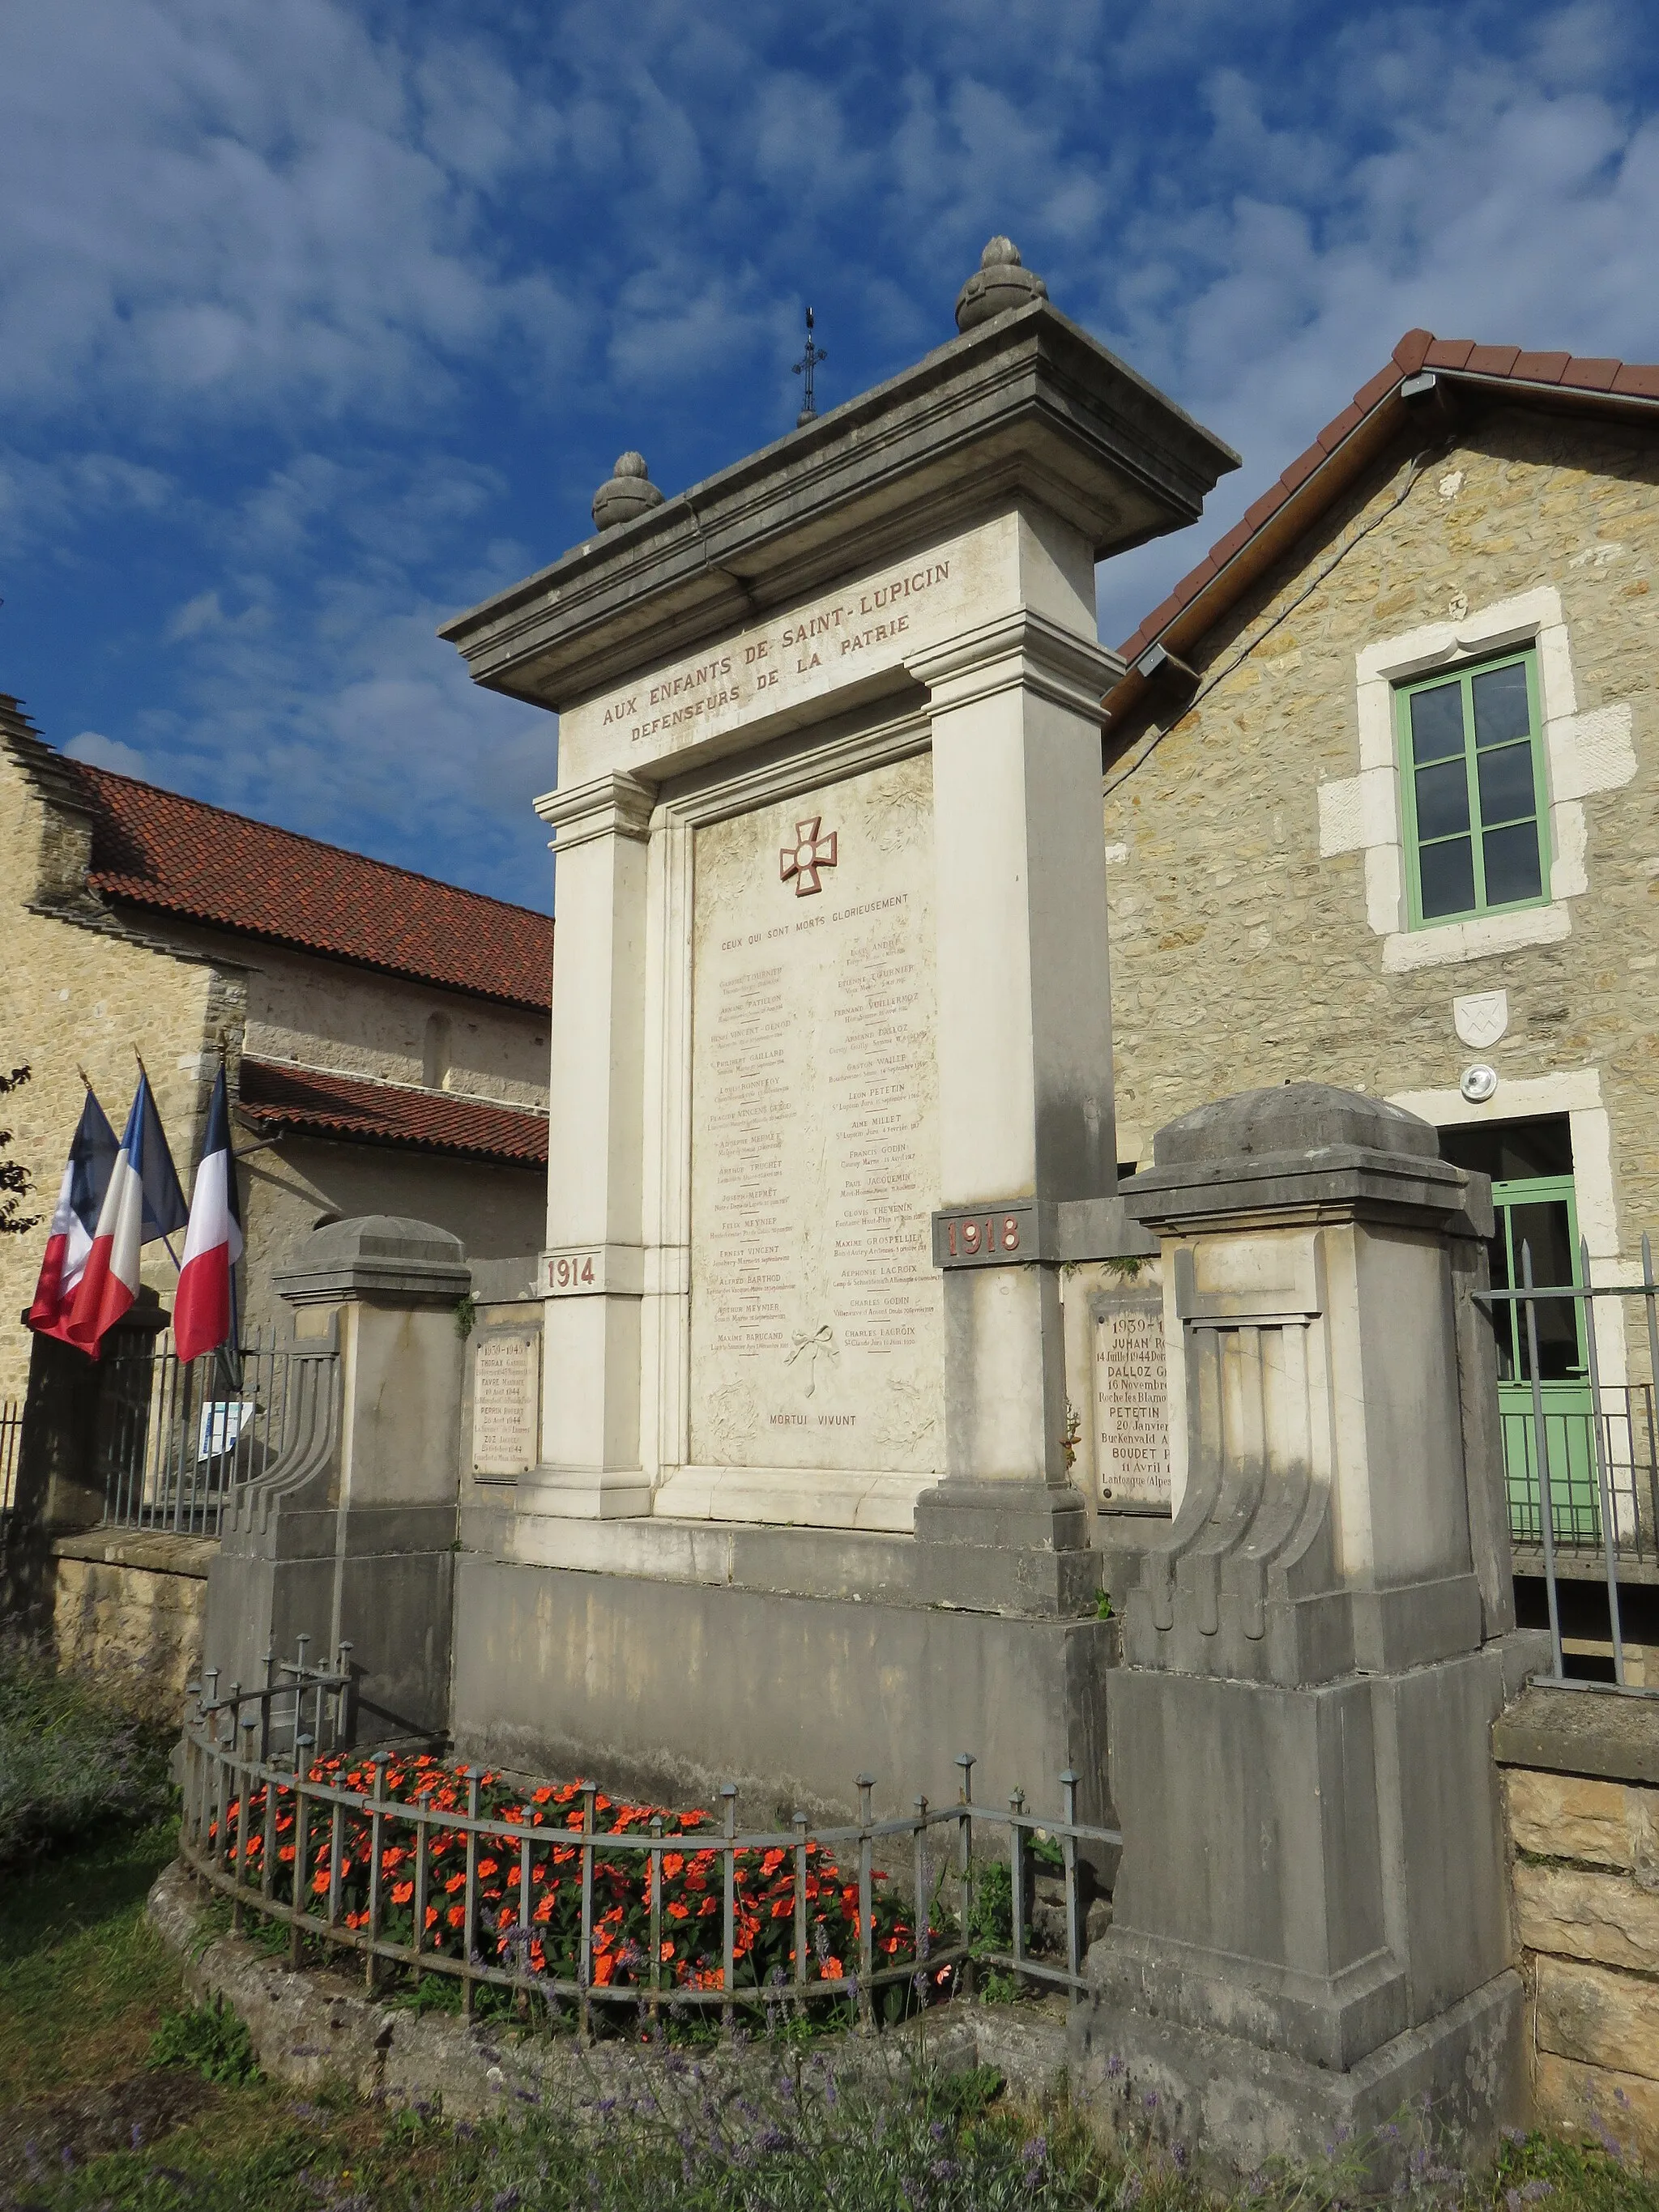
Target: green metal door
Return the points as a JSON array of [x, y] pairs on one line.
[[1541, 1213]]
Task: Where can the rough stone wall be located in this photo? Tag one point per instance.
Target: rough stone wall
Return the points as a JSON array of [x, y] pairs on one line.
[[74, 994], [1586, 1876], [1241, 957], [88, 990], [498, 1212], [354, 1021], [130, 1607]]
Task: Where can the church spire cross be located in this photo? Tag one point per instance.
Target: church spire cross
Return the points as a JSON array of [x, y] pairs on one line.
[[804, 367]]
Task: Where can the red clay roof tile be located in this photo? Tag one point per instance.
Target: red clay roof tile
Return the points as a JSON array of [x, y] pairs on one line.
[[1263, 509], [309, 1102], [1417, 349], [1304, 464], [1339, 427], [1377, 389], [1589, 375], [1539, 368], [153, 848]]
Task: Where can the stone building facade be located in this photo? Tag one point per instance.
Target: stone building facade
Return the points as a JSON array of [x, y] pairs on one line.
[[387, 1034], [1475, 509]]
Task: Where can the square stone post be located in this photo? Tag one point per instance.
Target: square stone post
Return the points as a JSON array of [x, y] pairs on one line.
[[1025, 1090], [1310, 1927], [593, 1278], [349, 1533]]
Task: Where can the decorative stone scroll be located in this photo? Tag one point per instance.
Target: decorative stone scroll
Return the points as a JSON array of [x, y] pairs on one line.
[[1132, 1411], [506, 1393]]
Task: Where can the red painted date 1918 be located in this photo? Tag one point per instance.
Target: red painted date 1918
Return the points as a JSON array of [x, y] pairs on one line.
[[985, 1235], [991, 1235]]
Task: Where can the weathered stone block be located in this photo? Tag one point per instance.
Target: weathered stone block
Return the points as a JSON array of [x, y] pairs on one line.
[[1567, 1816], [1597, 2016], [1579, 1915], [1567, 2095]]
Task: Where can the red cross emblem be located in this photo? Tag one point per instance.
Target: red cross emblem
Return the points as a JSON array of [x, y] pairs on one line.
[[806, 856]]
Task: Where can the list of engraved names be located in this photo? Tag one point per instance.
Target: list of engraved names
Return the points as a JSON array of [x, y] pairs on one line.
[[1132, 1411], [816, 1334]]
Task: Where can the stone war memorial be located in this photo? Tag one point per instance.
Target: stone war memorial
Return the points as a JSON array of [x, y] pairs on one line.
[[858, 1417]]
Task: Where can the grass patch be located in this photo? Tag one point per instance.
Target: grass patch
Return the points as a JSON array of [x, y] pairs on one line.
[[117, 2097], [83, 1977], [72, 1758], [207, 2040]]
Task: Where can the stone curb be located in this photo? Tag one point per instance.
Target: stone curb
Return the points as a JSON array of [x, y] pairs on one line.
[[314, 2028]]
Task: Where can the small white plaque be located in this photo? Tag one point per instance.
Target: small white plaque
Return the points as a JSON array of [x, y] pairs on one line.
[[1481, 1017], [506, 1373], [1131, 1410]]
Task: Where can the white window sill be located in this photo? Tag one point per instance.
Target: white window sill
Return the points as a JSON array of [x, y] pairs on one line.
[[1442, 945]]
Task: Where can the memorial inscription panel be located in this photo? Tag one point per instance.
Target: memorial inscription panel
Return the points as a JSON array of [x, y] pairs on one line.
[[1131, 1407], [506, 1399], [817, 1329]]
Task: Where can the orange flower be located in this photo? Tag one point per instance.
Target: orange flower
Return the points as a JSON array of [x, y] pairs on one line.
[[678, 1912], [604, 1968], [772, 1861], [402, 1891], [832, 1971], [667, 1949], [672, 1863], [455, 1914], [320, 1881]]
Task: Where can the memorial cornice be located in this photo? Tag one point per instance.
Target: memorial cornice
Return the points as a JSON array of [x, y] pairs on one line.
[[1328, 1184], [1024, 648], [609, 805], [1027, 405]]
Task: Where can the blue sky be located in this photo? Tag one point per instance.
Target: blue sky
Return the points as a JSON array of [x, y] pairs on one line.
[[320, 320]]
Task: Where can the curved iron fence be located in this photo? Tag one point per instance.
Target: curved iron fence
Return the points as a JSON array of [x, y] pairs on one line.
[[256, 1770]]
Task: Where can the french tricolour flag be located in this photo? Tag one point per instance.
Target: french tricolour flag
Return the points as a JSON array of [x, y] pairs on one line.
[[203, 1310], [144, 1201], [75, 1219]]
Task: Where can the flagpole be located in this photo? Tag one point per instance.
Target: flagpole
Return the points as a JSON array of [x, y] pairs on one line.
[[166, 1246]]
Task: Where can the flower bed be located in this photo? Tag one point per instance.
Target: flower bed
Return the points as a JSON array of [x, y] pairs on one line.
[[549, 1819]]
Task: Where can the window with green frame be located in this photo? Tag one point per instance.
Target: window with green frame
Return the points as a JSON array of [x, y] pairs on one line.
[[1476, 809]]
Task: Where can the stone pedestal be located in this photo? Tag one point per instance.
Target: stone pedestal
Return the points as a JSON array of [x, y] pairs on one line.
[[1309, 1918], [830, 975], [349, 1535]]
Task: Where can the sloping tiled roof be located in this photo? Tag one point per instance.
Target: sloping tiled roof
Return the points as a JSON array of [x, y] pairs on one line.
[[154, 849], [1345, 446], [278, 1097]]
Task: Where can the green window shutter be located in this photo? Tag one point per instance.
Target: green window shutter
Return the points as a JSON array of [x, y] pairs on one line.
[[1474, 801]]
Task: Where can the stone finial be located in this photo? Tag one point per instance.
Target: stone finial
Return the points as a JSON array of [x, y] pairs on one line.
[[997, 286], [629, 492]]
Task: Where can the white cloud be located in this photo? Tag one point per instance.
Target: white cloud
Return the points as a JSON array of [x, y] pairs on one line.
[[100, 751], [371, 297], [254, 206]]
